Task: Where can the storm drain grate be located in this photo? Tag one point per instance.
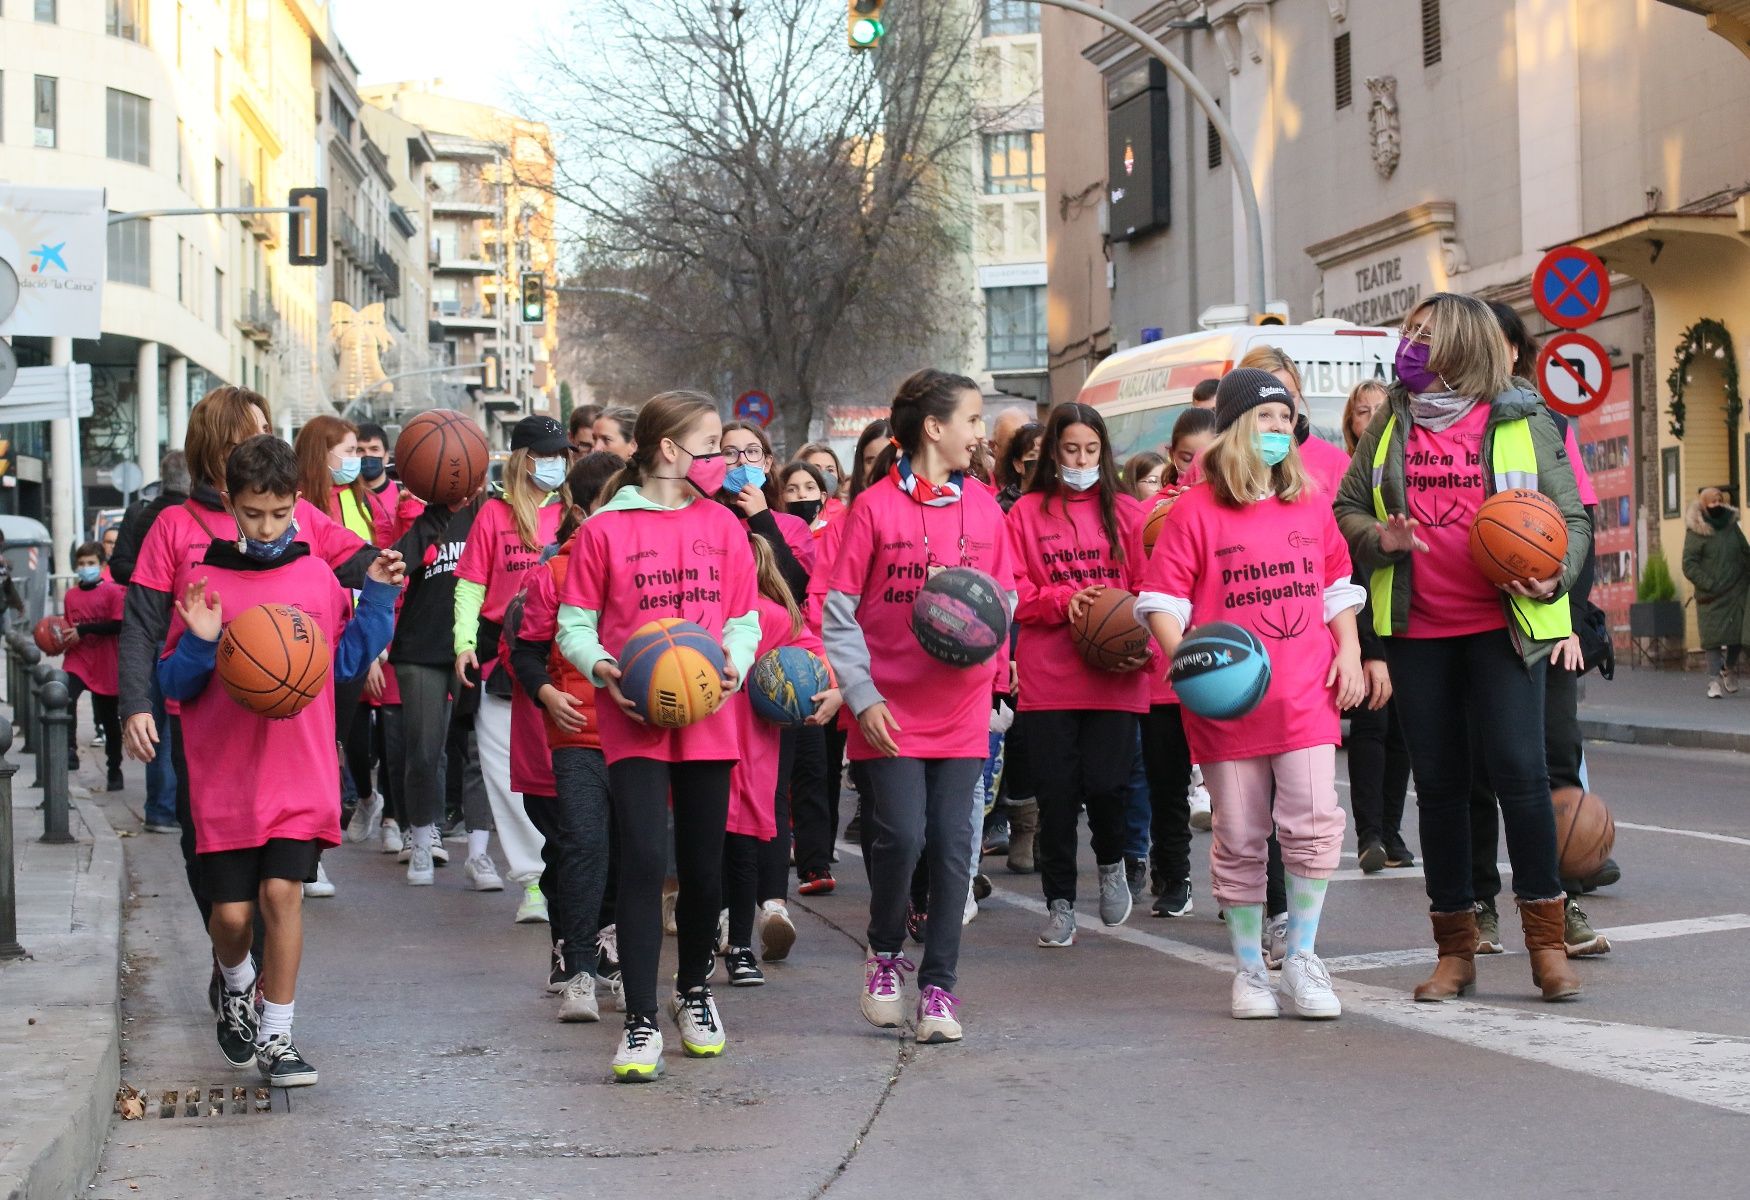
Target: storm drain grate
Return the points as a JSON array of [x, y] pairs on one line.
[[195, 1100]]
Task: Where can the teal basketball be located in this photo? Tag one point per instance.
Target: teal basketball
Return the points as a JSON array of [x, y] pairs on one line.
[[785, 682], [1220, 671]]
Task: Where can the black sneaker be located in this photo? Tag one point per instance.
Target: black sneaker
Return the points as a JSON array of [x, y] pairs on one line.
[[238, 1024], [215, 987], [981, 887], [281, 1064], [1175, 901], [1136, 876], [115, 780], [917, 923], [1397, 854], [1606, 875], [1373, 856], [854, 830], [744, 969]]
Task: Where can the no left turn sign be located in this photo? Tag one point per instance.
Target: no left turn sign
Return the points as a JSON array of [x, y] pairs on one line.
[[1573, 373]]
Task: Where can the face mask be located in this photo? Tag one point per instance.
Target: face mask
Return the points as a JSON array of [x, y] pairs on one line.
[[1273, 447], [371, 467], [268, 551], [742, 475], [1079, 479], [832, 482], [807, 510], [548, 473], [707, 471], [347, 471], [1412, 365], [88, 576], [1719, 517]]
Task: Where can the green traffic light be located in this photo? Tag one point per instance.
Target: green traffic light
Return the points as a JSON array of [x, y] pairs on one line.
[[866, 31]]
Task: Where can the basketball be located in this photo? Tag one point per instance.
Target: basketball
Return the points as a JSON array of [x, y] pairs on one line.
[[1108, 633], [53, 635], [960, 617], [274, 660], [1220, 671], [441, 456], [785, 682], [672, 672], [1518, 534], [1585, 832], [1157, 517]]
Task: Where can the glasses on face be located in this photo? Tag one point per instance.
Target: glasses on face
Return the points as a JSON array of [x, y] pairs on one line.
[[747, 454], [1421, 335]]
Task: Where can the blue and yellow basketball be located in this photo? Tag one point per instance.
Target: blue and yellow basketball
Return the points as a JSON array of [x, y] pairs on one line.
[[785, 682], [672, 672], [1220, 671]]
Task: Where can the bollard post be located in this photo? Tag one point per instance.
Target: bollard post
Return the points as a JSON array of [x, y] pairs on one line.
[[40, 675], [9, 947], [12, 673], [30, 657], [57, 709]]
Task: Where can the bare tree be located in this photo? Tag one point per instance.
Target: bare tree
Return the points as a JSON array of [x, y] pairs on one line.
[[761, 206]]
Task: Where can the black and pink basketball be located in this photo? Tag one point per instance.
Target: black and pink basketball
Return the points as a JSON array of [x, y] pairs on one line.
[[961, 617]]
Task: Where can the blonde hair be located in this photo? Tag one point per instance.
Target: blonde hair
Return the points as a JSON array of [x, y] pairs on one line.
[[1239, 476], [1467, 349], [1355, 394], [1269, 358], [771, 580], [524, 496]]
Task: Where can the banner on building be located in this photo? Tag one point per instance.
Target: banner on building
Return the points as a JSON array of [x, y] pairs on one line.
[[56, 240]]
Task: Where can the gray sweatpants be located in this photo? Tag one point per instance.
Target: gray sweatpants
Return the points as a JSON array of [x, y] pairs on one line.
[[920, 809], [425, 722]]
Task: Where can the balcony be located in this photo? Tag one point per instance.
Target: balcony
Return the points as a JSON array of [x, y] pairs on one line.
[[456, 316], [403, 220], [351, 239], [257, 319], [264, 226], [470, 197], [387, 272], [457, 259]]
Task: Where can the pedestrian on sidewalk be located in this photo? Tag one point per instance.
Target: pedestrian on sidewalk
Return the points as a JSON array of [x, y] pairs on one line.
[[94, 607], [1716, 561]]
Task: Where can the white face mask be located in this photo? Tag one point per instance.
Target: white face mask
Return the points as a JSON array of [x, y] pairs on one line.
[[1079, 479]]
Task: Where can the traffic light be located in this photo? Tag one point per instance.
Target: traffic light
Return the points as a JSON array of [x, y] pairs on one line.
[[534, 298], [308, 244], [865, 24]]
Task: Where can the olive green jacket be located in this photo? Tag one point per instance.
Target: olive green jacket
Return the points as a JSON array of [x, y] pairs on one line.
[[1555, 479]]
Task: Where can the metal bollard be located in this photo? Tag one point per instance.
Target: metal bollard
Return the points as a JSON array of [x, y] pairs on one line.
[[57, 710], [29, 658], [9, 947], [40, 675], [12, 673]]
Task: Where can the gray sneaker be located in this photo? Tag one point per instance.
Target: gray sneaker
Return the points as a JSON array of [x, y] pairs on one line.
[[1115, 897], [1060, 926]]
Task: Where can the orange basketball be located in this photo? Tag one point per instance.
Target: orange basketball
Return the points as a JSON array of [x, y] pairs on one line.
[[1585, 832], [1157, 517], [1518, 534], [1108, 633], [53, 634], [273, 660], [441, 456], [672, 672]]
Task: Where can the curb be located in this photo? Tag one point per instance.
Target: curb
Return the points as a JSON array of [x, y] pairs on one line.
[[72, 1128], [1661, 735]]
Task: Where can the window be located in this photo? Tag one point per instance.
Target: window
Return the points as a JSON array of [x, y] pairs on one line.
[[1430, 32], [218, 82], [130, 253], [1014, 162], [126, 19], [1341, 72], [1212, 136], [218, 184], [45, 11], [340, 117], [45, 112], [181, 151], [181, 269], [1010, 16], [1015, 337], [218, 299], [130, 134]]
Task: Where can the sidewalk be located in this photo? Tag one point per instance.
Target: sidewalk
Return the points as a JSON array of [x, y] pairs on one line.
[[59, 1047], [1664, 708]]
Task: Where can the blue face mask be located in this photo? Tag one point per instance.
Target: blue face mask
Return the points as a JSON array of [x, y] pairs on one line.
[[548, 473], [371, 467], [268, 551], [741, 475], [347, 471], [88, 576], [1273, 447]]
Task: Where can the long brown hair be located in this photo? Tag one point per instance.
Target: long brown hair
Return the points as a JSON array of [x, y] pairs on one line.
[[1046, 480], [774, 497], [315, 440], [924, 394], [771, 580], [225, 417], [873, 431], [670, 415]]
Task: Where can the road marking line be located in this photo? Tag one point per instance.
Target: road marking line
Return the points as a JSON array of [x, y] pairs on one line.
[[1348, 874], [1727, 838], [1651, 931]]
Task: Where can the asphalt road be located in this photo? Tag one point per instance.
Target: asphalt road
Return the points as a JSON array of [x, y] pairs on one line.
[[1111, 1067]]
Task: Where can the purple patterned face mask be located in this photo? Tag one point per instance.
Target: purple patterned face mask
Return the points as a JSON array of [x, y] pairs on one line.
[[1412, 366]]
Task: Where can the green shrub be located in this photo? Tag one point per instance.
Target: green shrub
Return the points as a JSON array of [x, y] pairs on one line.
[[1656, 583]]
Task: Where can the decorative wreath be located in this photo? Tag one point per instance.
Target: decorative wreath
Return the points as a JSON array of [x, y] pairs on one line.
[[1706, 336]]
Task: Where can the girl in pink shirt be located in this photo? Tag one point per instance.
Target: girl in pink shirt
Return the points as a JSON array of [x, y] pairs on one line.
[[94, 607], [1074, 533], [1256, 545], [659, 547], [922, 725]]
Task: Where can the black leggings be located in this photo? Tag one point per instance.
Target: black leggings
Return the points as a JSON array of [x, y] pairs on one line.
[[103, 714], [1166, 759], [1562, 749], [814, 800], [642, 789], [755, 871], [1080, 758], [1379, 772], [577, 849]]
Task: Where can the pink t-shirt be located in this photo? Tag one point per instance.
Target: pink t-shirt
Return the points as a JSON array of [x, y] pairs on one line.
[[1264, 567], [251, 778], [753, 783], [93, 657], [1055, 557], [1582, 481], [1443, 488], [633, 566], [798, 537], [1325, 463], [531, 759], [1160, 688], [495, 555], [393, 512], [890, 541], [820, 579]]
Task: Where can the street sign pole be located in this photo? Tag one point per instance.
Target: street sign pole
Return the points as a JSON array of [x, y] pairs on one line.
[[78, 485]]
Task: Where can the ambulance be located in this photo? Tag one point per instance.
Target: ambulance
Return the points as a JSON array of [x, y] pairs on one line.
[[1141, 392]]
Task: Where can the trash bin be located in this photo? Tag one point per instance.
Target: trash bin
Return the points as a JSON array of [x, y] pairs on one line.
[[31, 556]]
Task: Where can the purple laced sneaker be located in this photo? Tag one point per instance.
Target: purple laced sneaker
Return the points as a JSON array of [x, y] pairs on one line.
[[886, 975]]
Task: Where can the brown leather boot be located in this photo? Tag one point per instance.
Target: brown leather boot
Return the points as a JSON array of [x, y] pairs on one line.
[[1542, 921], [1456, 972], [1023, 830]]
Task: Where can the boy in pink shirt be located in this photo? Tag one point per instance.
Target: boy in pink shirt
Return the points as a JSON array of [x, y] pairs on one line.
[[94, 606]]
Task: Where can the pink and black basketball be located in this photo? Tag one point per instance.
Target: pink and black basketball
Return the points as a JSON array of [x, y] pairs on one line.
[[672, 672], [1220, 671], [960, 617]]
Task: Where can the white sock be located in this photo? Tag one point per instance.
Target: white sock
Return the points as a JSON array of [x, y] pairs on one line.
[[478, 840], [275, 1019], [241, 977], [425, 835]]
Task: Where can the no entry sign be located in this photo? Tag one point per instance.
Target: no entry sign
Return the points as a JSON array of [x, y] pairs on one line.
[[1570, 287], [1573, 372], [756, 407]]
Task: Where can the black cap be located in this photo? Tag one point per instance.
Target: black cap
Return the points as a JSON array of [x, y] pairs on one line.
[[539, 435], [1243, 389]]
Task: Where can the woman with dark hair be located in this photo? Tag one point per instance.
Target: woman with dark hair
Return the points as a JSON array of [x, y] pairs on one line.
[[1017, 463], [750, 491], [1519, 341]]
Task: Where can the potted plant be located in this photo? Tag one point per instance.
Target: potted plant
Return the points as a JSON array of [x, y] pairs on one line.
[[1657, 612]]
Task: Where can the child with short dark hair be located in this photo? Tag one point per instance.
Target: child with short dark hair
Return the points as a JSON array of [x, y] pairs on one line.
[[94, 606], [258, 832]]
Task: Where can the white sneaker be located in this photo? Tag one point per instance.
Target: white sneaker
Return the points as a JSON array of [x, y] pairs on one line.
[[320, 888], [1714, 691], [1199, 799], [938, 1016], [775, 930], [533, 909], [723, 930], [668, 925], [1276, 941], [419, 872], [481, 875], [577, 1001], [970, 912], [1253, 997], [700, 1025], [439, 855], [1306, 981], [393, 843], [367, 818], [608, 943], [883, 1000], [638, 1059]]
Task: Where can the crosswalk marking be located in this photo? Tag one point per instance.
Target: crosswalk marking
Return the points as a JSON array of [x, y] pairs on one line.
[[1651, 931]]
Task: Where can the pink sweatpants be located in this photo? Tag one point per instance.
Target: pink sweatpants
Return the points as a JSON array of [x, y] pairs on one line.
[[1309, 823]]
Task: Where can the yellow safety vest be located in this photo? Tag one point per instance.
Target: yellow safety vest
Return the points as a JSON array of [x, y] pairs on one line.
[[1513, 460]]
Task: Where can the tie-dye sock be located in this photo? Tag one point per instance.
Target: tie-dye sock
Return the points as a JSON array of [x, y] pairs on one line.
[[1245, 926], [1306, 900]]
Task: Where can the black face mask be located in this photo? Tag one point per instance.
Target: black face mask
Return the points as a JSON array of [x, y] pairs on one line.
[[807, 510], [1718, 517]]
